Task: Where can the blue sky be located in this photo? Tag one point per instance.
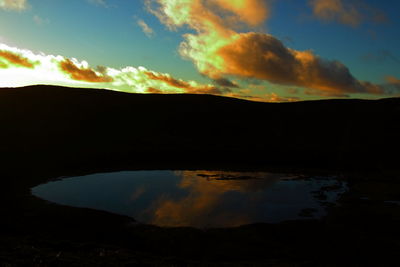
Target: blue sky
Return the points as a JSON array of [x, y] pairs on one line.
[[107, 33]]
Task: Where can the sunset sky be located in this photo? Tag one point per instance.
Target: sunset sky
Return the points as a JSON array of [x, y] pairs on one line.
[[265, 50]]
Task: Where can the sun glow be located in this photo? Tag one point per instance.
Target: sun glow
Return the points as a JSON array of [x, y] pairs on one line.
[[19, 67]]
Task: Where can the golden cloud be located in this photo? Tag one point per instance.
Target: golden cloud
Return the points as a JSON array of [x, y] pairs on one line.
[[83, 73], [152, 90], [186, 86], [261, 56], [204, 196], [218, 50], [15, 59], [168, 79], [38, 68], [251, 12]]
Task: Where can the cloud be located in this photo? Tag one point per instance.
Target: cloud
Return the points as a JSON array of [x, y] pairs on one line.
[[23, 67], [19, 67], [145, 28], [273, 97], [188, 87], [348, 12], [337, 10], [268, 97], [225, 82], [40, 21], [201, 206], [15, 59], [83, 73], [168, 79], [393, 80], [201, 15], [218, 50], [262, 56], [3, 65], [152, 90], [98, 2], [393, 84], [15, 5]]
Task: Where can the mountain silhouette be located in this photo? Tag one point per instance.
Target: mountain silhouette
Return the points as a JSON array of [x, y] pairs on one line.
[[65, 128], [50, 131]]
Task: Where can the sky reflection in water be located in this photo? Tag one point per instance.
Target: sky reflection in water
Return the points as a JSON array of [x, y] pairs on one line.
[[196, 198]]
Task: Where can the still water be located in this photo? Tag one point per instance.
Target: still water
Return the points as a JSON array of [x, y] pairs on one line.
[[198, 198]]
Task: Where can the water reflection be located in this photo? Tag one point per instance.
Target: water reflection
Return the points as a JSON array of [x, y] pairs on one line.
[[196, 198]]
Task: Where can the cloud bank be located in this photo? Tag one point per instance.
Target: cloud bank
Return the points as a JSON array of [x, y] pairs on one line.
[[221, 46], [23, 67], [20, 65], [219, 50]]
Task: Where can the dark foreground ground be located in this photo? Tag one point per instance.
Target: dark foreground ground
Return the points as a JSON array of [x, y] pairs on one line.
[[48, 132]]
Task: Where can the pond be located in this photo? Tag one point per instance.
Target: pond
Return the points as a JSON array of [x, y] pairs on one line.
[[202, 199]]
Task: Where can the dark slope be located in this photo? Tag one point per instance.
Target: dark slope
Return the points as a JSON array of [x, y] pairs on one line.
[[65, 128], [48, 132]]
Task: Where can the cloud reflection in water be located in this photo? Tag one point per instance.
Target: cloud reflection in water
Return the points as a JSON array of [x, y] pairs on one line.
[[194, 198]]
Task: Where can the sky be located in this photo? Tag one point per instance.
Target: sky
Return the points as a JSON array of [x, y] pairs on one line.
[[262, 50]]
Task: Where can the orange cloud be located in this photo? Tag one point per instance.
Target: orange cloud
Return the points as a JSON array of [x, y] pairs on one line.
[[347, 12], [393, 80], [16, 59], [204, 15], [205, 194], [218, 50], [59, 70], [83, 73], [269, 97], [262, 56], [152, 90], [186, 86], [273, 97], [168, 79], [251, 12]]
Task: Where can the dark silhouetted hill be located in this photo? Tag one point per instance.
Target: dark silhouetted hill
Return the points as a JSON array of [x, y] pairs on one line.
[[57, 128]]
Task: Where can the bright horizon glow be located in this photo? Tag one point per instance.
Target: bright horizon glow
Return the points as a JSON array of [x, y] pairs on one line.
[[241, 49]]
